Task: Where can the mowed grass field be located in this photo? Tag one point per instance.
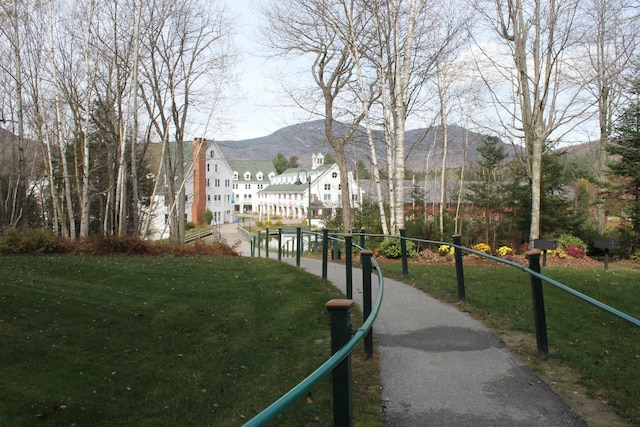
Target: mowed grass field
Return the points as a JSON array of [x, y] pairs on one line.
[[602, 350], [165, 341]]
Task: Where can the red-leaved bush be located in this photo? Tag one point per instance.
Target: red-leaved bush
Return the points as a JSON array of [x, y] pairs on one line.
[[575, 251]]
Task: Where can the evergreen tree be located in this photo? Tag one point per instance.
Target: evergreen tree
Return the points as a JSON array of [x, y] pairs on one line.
[[624, 148], [558, 215], [280, 163], [486, 193]]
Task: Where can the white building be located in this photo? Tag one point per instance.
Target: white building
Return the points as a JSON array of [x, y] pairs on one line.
[[207, 186], [212, 184], [291, 193], [249, 177], [235, 187]]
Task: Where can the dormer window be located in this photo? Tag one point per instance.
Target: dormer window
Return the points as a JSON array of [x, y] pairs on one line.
[[247, 176], [259, 176], [211, 153], [235, 176]]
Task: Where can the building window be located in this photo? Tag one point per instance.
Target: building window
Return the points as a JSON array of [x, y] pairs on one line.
[[207, 182], [208, 167], [235, 186], [247, 186], [327, 187], [216, 167], [247, 176], [334, 175], [354, 197], [226, 183], [235, 176], [217, 182], [327, 197], [260, 176], [208, 197]]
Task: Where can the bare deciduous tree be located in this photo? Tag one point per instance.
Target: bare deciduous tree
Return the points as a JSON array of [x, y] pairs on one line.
[[542, 101]]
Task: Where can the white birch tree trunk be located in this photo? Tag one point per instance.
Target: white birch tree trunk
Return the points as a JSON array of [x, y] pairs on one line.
[[85, 199]]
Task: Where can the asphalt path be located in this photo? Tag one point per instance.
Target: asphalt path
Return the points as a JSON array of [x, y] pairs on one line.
[[440, 367]]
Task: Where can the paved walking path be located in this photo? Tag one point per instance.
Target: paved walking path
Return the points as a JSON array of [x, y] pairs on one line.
[[439, 367]]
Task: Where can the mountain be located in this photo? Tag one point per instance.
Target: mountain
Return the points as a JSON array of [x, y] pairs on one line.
[[423, 146]]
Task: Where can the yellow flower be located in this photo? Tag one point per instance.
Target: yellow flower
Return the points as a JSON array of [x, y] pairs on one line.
[[504, 251], [482, 247], [445, 250]]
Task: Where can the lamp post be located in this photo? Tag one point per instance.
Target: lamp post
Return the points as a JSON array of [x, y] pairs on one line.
[[307, 177]]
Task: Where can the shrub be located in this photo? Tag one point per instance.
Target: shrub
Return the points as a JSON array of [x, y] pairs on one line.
[[482, 247], [575, 251], [445, 250], [567, 240], [504, 251], [208, 217], [558, 253], [390, 247], [189, 225], [32, 241]]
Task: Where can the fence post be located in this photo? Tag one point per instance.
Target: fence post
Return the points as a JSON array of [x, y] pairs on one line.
[[280, 244], [457, 240], [253, 246], [340, 313], [266, 239], [259, 242], [325, 252], [538, 302], [348, 262], [362, 238], [365, 260], [298, 241], [315, 248], [403, 251]]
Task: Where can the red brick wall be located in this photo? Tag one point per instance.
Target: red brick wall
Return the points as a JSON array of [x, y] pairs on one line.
[[199, 181]]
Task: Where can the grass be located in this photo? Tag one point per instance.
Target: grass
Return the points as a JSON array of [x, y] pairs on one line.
[[602, 349], [165, 341]]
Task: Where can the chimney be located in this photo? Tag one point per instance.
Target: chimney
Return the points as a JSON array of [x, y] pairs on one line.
[[199, 180]]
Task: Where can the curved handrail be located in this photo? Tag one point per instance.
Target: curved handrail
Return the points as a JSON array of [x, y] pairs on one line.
[[286, 400], [621, 315], [277, 407]]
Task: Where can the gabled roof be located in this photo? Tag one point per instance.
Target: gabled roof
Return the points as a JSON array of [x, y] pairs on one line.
[[317, 171], [252, 166], [285, 188]]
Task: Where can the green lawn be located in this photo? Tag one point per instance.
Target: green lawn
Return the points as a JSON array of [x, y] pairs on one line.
[[164, 341], [602, 349]]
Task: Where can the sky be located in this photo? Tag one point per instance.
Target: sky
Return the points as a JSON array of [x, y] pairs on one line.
[[258, 109]]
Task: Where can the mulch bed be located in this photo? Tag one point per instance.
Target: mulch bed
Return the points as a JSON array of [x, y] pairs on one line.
[[428, 257]]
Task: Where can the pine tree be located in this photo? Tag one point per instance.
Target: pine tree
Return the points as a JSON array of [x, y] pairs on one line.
[[486, 193], [624, 149]]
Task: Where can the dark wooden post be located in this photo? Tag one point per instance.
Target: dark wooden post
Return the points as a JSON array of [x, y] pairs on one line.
[[538, 302], [457, 240], [348, 252], [403, 251], [340, 312], [365, 259]]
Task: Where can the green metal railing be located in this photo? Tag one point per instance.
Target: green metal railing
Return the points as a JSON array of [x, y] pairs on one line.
[[371, 312], [362, 333]]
